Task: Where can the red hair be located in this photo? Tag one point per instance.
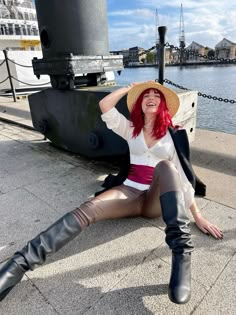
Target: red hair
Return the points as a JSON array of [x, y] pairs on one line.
[[162, 122]]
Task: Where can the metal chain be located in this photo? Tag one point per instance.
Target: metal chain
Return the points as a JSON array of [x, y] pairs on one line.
[[215, 98], [193, 53], [187, 51], [19, 64], [29, 83], [2, 62], [4, 80], [146, 51]]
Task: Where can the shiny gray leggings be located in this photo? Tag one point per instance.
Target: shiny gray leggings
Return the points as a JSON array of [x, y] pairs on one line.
[[124, 201]]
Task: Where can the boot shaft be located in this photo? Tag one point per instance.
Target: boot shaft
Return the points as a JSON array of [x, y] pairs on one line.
[[178, 236]]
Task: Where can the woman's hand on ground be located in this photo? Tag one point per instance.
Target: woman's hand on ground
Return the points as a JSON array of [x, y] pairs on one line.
[[206, 227]]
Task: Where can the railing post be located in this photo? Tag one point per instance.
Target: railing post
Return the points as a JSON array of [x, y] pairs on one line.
[[161, 51], [9, 75]]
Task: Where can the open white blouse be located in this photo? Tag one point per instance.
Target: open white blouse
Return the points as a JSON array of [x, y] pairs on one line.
[[140, 154]]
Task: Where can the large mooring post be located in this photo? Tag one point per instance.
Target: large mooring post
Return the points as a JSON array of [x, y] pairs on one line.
[[75, 46], [74, 39]]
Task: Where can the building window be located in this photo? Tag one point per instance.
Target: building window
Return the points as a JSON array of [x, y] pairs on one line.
[[28, 29], [26, 16], [17, 29], [10, 29], [23, 30], [2, 29]]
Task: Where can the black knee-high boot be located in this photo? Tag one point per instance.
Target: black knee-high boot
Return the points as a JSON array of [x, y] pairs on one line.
[[178, 238], [35, 252]]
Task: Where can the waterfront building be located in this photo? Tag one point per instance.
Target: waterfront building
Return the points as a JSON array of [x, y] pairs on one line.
[[226, 49], [171, 56], [195, 48], [136, 55], [18, 25], [131, 56]]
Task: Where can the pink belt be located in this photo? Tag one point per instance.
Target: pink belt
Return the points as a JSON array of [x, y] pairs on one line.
[[141, 173]]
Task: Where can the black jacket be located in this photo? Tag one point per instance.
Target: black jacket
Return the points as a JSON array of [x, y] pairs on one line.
[[181, 143]]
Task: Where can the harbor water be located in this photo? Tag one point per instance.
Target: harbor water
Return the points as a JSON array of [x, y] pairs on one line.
[[217, 80]]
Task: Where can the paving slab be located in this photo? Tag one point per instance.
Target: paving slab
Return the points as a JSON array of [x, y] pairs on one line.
[[67, 191], [221, 299], [29, 301], [31, 175], [18, 111], [144, 291], [214, 159], [22, 217], [94, 262]]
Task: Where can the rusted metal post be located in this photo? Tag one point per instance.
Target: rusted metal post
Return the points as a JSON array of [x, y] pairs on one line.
[[9, 75], [162, 31]]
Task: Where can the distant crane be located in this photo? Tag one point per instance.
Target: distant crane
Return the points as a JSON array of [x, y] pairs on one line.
[[181, 35]]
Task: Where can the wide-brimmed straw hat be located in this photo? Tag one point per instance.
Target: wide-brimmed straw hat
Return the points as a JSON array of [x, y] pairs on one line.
[[172, 99]]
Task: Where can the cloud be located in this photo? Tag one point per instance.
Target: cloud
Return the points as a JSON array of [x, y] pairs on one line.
[[141, 13], [206, 22]]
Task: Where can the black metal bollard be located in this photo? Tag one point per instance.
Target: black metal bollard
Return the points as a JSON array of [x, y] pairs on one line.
[[9, 75], [162, 31]]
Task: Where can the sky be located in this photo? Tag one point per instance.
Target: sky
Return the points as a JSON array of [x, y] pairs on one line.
[[133, 22]]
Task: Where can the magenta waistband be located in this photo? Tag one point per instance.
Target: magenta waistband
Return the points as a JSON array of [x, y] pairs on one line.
[[141, 173]]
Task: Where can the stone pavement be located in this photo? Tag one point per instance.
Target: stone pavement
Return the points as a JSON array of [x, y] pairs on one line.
[[113, 267]]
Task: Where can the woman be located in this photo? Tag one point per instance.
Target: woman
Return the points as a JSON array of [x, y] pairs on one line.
[[160, 182]]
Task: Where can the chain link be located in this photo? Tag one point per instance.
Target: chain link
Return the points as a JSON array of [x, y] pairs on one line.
[[19, 64], [215, 98], [4, 80], [188, 52], [29, 83], [2, 62], [146, 51]]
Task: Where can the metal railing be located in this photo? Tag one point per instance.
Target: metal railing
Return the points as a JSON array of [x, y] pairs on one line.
[[10, 77]]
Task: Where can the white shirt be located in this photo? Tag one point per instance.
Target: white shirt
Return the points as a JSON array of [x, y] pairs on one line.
[[140, 154]]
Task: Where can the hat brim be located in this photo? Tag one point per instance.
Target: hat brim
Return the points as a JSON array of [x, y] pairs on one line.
[[171, 98]]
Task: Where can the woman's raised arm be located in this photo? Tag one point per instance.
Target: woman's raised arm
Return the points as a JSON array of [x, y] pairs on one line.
[[110, 100]]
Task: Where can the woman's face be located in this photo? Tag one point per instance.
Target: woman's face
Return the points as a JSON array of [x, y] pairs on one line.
[[151, 101]]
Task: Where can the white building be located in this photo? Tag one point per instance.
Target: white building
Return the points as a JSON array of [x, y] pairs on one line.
[[194, 49], [226, 49], [18, 25]]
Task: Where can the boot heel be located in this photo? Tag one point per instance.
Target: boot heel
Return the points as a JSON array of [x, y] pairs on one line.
[[10, 275], [5, 293], [180, 281]]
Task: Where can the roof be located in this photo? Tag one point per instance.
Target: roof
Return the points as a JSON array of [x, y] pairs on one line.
[[225, 40], [195, 43]]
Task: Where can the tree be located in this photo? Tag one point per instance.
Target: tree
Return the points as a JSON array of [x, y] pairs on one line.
[[150, 57], [211, 53]]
